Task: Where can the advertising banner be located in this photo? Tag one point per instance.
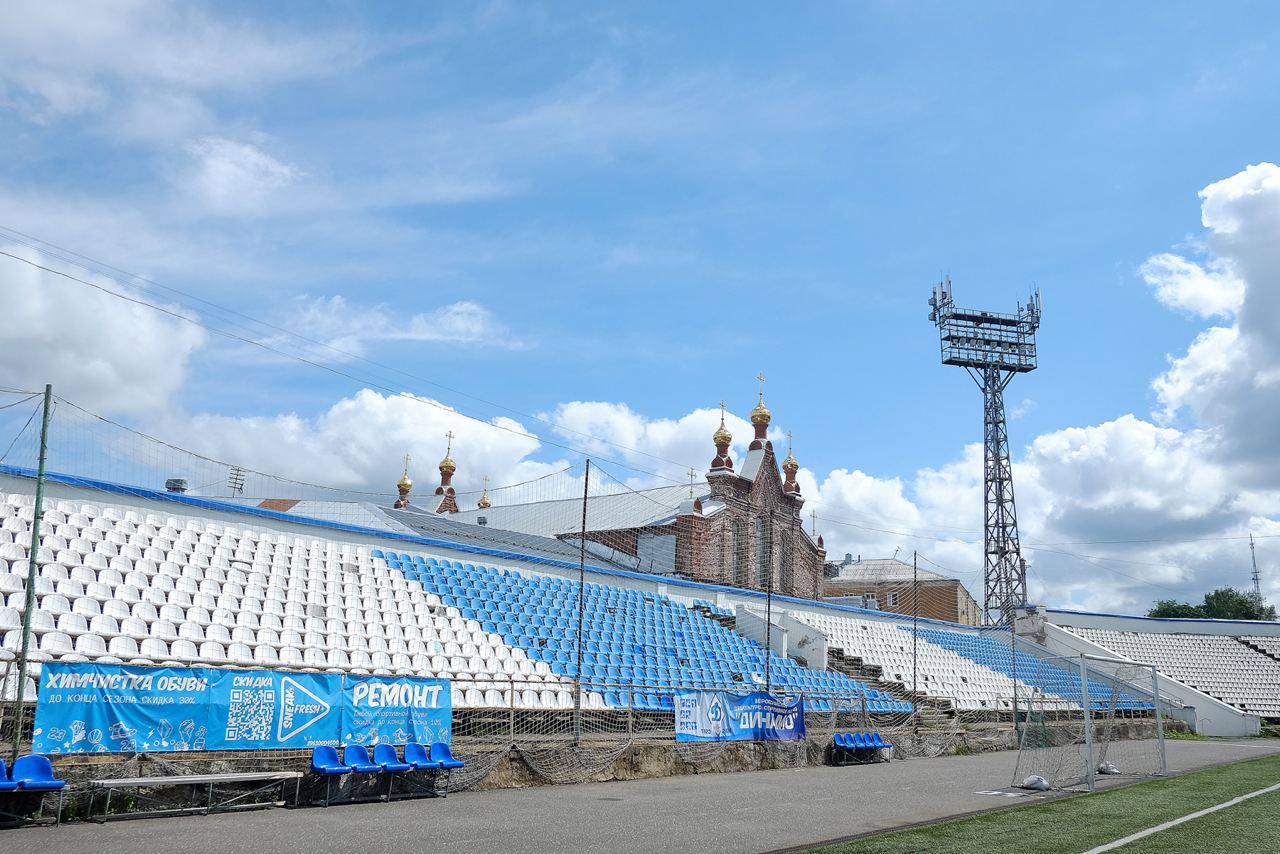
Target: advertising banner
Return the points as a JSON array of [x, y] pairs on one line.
[[107, 708], [725, 716], [271, 710], [396, 710]]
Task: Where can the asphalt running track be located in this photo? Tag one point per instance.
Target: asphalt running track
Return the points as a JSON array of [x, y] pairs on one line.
[[753, 811]]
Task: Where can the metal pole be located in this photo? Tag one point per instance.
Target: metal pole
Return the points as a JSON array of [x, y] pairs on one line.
[[582, 589], [31, 579], [1013, 659], [1090, 770], [1155, 697], [768, 619], [511, 713], [915, 619]]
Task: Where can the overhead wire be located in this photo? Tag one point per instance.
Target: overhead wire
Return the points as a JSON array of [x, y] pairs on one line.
[[43, 245], [364, 381]]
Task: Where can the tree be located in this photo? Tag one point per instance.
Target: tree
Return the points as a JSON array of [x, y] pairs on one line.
[[1174, 608], [1225, 603]]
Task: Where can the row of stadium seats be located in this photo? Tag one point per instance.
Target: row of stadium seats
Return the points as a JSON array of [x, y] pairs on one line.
[[122, 586], [939, 672], [241, 597], [974, 671], [631, 637], [1051, 679], [1222, 666]]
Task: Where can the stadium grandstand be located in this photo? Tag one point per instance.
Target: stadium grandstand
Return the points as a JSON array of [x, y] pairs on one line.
[[1236, 663], [559, 652]]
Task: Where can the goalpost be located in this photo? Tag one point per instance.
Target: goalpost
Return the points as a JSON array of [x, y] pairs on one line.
[[1108, 720]]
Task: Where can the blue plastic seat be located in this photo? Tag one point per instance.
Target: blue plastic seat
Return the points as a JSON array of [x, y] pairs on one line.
[[34, 773], [358, 759], [441, 753], [416, 755], [6, 785], [385, 755], [324, 760]]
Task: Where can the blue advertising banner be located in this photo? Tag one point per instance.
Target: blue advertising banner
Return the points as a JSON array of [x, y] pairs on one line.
[[268, 709], [724, 716], [106, 708], [396, 710]]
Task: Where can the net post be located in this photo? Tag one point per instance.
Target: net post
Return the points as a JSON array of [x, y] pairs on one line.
[[1090, 769], [511, 712], [1155, 698], [631, 712], [582, 590], [1013, 659], [29, 609]]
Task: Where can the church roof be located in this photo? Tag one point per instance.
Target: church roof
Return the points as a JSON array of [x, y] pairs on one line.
[[619, 511], [882, 571]]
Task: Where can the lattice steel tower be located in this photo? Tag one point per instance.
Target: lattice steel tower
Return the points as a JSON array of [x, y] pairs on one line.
[[993, 347]]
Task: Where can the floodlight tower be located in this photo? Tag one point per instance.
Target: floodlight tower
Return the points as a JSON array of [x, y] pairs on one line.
[[993, 347]]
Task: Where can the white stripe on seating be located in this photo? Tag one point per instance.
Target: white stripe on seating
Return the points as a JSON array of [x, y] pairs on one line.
[[1177, 821]]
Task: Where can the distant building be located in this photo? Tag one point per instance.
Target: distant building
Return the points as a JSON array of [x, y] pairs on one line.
[[739, 527], [887, 585]]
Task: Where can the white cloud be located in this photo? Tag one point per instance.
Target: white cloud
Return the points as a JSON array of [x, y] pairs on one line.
[[99, 351], [360, 441], [230, 177], [1229, 378], [63, 59], [347, 330], [663, 446], [1188, 286]]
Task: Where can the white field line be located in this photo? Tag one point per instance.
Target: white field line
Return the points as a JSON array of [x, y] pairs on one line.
[[1110, 846]]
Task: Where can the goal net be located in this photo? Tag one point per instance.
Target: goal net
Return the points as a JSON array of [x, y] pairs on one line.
[[1106, 720]]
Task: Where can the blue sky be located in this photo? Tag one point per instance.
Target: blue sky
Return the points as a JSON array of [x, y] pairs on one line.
[[647, 205]]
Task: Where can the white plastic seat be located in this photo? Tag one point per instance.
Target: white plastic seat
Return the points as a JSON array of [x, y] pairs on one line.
[[184, 650], [55, 643], [73, 624], [123, 647], [213, 651]]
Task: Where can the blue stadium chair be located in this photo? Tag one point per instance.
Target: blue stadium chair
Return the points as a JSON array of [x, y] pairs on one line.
[[441, 753], [324, 760], [416, 755], [358, 759], [859, 743], [385, 755], [34, 773]]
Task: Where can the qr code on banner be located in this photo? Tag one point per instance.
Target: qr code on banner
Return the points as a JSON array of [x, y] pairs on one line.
[[251, 714]]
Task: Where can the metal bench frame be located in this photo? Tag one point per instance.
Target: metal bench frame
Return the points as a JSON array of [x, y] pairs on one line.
[[269, 780]]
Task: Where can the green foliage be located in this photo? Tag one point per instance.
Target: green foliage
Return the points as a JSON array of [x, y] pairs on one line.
[[1174, 608], [1225, 603]]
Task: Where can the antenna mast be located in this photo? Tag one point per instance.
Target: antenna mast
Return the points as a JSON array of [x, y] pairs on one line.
[[992, 347], [1257, 581]]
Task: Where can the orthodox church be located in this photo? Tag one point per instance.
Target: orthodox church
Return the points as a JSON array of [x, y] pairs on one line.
[[740, 526]]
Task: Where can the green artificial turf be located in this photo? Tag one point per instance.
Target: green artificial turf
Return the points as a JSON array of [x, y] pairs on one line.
[[1081, 823]]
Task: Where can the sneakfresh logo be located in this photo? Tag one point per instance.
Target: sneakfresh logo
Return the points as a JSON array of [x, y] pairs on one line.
[[299, 710]]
